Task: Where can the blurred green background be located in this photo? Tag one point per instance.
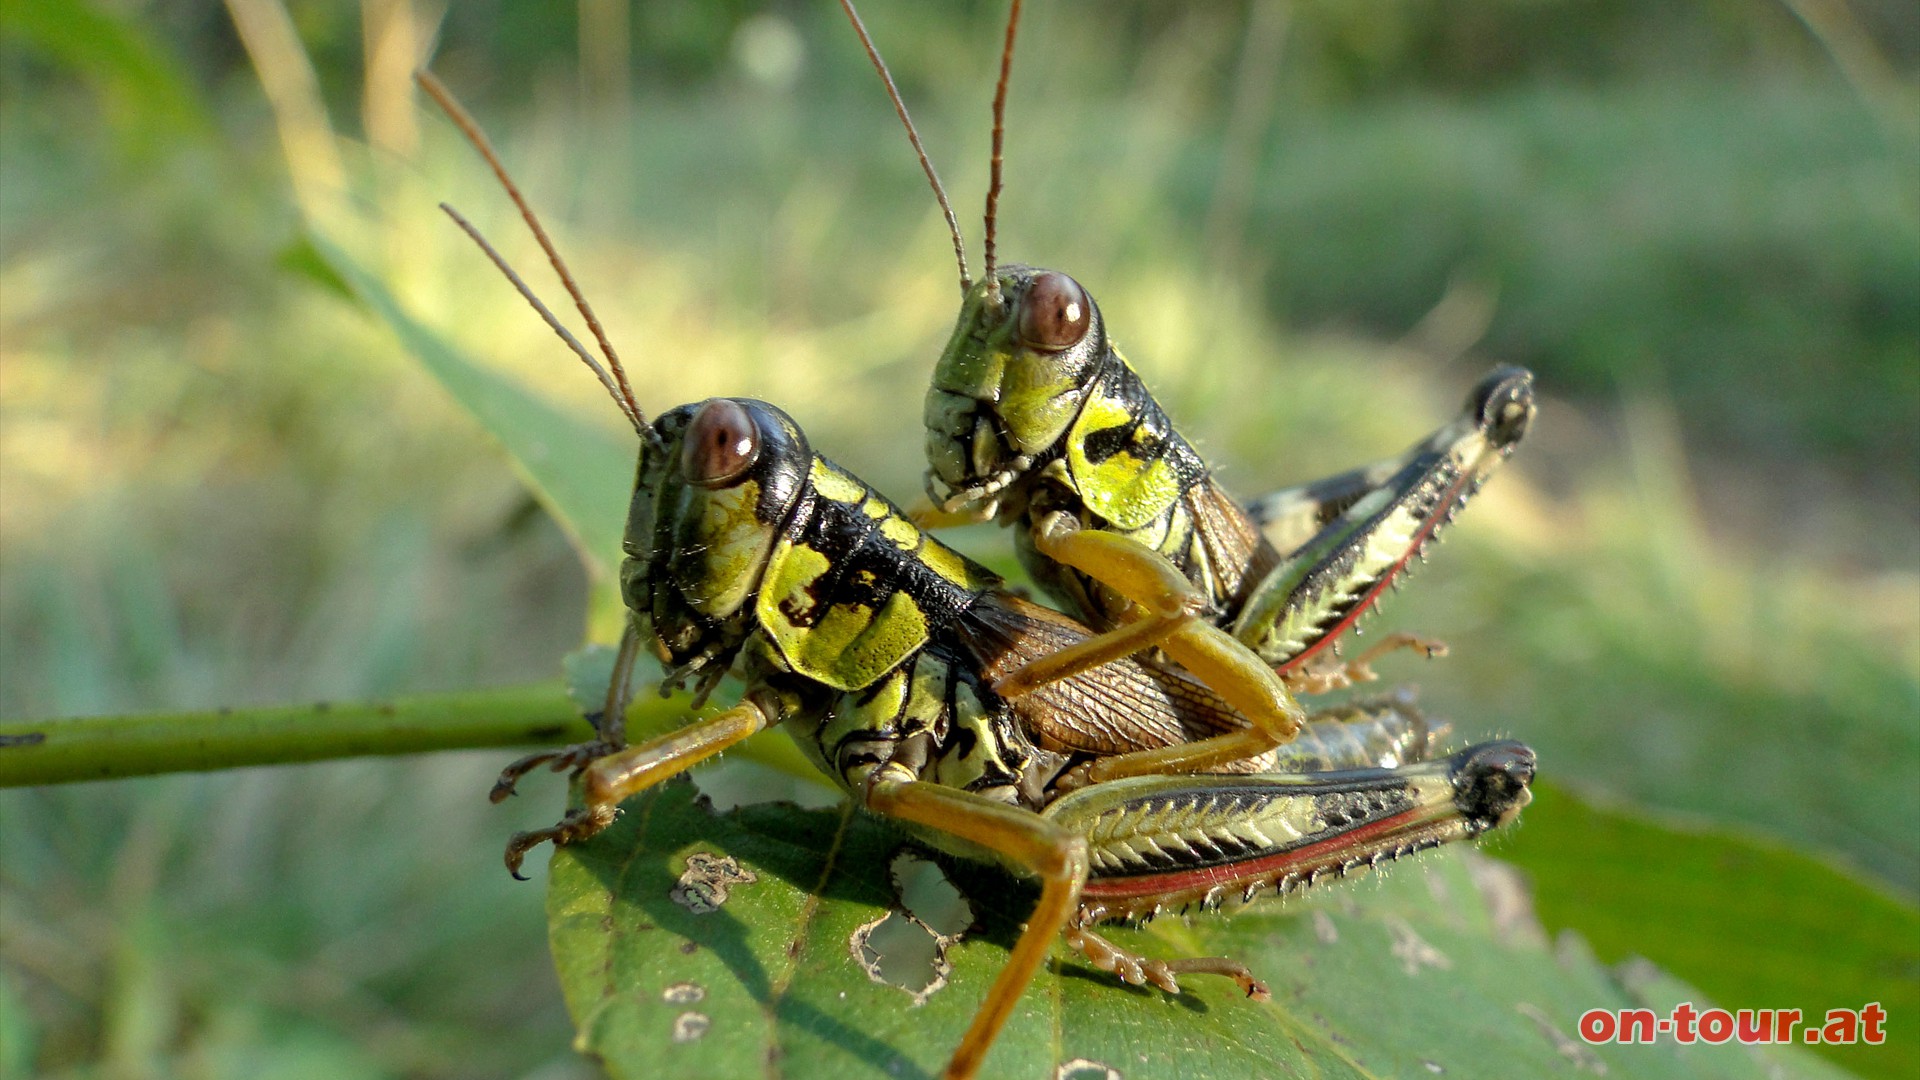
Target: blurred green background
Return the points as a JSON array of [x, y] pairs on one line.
[[1312, 225]]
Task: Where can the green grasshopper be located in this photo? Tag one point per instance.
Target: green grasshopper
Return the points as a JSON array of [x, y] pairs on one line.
[[1034, 419], [879, 648]]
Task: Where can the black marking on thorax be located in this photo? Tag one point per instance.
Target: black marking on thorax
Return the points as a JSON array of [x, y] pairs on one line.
[[866, 568], [1149, 432]]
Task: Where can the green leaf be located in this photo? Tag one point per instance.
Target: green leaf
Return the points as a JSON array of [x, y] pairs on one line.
[[1752, 923], [1437, 970], [581, 471], [146, 97]]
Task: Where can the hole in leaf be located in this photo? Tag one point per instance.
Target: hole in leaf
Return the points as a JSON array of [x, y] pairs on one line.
[[734, 782], [906, 948], [900, 952], [929, 897]]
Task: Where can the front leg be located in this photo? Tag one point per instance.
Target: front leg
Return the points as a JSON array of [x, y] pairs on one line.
[[611, 724], [930, 516], [612, 778], [613, 717]]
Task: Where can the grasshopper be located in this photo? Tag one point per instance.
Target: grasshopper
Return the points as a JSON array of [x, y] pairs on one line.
[[879, 648], [1035, 419]]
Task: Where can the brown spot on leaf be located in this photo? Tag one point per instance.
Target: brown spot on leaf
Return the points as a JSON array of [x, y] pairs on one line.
[[708, 881], [1324, 929], [1412, 950], [1582, 1058], [1509, 900]]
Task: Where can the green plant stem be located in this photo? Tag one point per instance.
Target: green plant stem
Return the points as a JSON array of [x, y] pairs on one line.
[[109, 747]]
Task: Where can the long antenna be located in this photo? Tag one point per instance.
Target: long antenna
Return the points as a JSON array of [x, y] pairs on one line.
[[546, 313], [999, 139], [616, 384], [899, 106]]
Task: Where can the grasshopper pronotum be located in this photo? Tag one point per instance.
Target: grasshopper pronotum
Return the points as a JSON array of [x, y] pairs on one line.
[[880, 649]]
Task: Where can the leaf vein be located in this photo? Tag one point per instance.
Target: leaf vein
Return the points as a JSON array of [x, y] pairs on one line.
[[778, 989]]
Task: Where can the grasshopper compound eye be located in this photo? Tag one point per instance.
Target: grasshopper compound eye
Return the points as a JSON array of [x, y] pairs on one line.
[[720, 444], [1055, 313]]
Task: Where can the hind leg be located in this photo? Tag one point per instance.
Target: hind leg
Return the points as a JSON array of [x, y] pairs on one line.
[[1322, 673], [1140, 970], [1169, 610]]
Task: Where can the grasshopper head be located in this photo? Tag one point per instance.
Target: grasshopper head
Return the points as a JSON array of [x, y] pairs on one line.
[[1009, 384], [709, 502]]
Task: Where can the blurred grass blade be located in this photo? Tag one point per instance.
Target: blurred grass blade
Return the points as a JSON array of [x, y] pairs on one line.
[[581, 472], [286, 72], [1751, 922]]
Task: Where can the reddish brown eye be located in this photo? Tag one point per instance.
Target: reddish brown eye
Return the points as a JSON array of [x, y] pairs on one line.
[[1055, 313], [720, 443]]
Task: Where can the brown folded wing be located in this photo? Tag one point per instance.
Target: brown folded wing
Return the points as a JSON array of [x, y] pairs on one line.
[[1128, 705]]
